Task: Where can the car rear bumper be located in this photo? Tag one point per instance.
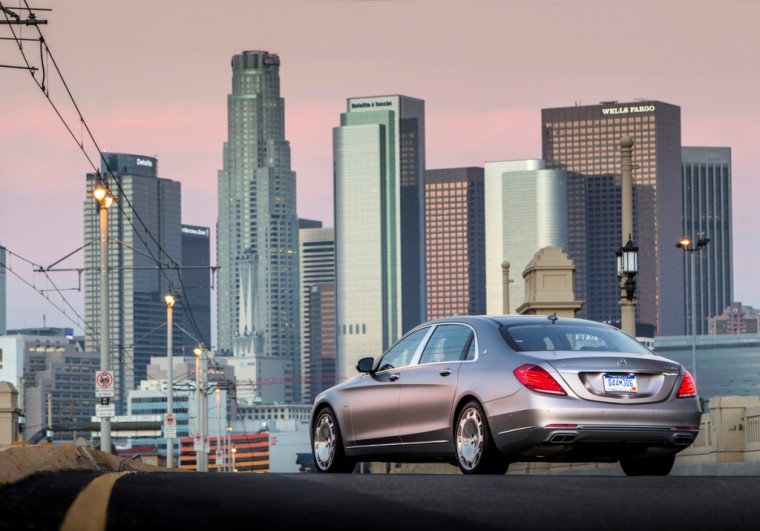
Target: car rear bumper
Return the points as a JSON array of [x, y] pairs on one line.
[[567, 428]]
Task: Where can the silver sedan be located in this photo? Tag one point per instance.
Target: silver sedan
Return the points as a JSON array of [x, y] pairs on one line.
[[482, 392]]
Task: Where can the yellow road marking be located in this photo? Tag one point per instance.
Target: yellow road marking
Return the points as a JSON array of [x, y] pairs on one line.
[[89, 511]]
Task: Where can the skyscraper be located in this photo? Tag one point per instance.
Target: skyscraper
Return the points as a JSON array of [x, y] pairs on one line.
[[707, 210], [144, 234], [317, 255], [455, 242], [379, 157], [525, 210], [196, 285], [257, 229], [585, 140]]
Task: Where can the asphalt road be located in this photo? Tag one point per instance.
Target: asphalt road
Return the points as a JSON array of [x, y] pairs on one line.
[[190, 501]]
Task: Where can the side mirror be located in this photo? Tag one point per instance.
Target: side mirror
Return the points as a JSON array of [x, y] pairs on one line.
[[365, 365]]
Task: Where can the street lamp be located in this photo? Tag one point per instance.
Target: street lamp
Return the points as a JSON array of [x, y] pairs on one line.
[[103, 196], [169, 299], [689, 246], [628, 266]]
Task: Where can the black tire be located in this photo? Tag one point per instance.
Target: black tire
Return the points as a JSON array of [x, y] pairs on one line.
[[653, 466], [475, 449], [327, 444]]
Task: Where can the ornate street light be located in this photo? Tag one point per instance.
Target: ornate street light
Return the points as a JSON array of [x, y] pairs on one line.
[[628, 265]]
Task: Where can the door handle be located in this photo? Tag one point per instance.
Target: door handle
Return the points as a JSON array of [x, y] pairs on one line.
[[445, 372], [394, 377]]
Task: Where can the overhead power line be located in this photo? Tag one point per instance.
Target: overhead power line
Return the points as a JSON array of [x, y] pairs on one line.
[[109, 179]]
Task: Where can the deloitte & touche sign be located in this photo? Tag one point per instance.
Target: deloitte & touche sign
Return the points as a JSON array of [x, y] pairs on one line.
[[374, 104], [144, 162], [629, 109]]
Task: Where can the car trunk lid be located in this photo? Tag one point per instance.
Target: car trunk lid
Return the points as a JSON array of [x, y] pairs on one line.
[[616, 378]]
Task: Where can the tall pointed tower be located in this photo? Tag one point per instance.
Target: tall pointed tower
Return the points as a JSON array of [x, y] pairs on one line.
[[257, 229]]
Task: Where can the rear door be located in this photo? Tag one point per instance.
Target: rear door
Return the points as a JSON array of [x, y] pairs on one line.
[[429, 387]]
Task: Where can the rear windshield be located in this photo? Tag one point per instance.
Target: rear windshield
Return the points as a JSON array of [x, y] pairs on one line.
[[569, 336]]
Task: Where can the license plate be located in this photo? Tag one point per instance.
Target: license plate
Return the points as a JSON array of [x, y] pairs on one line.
[[620, 383]]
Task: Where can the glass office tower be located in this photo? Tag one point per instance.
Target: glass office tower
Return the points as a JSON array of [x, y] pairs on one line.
[[257, 229], [144, 233], [379, 159], [317, 256], [585, 140], [707, 210], [196, 285], [525, 211]]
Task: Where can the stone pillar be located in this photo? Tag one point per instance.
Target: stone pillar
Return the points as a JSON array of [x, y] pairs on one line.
[[9, 413], [549, 284]]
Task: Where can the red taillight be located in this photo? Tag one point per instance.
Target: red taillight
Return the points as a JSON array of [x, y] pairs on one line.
[[688, 387], [537, 379]]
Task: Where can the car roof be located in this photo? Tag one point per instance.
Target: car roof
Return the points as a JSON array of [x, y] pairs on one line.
[[510, 319]]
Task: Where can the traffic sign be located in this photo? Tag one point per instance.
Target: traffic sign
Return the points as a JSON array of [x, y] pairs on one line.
[[105, 411], [170, 426], [104, 384]]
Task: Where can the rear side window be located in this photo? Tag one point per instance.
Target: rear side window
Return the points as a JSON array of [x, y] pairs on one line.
[[447, 343]]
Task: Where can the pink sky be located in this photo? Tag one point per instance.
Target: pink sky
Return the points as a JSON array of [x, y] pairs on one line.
[[152, 78]]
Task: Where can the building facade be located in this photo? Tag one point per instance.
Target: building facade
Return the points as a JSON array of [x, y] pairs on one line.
[[196, 285], [144, 236], [322, 346], [317, 256], [257, 229], [525, 211], [55, 379], [707, 211], [379, 171], [585, 141], [455, 242], [734, 320]]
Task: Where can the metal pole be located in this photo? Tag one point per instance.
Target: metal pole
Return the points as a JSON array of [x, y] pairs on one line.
[[105, 359], [693, 316], [227, 455], [218, 428], [505, 287], [198, 453], [169, 374], [204, 409], [49, 414]]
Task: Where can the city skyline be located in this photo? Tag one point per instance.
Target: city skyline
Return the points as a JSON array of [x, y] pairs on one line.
[[490, 110]]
